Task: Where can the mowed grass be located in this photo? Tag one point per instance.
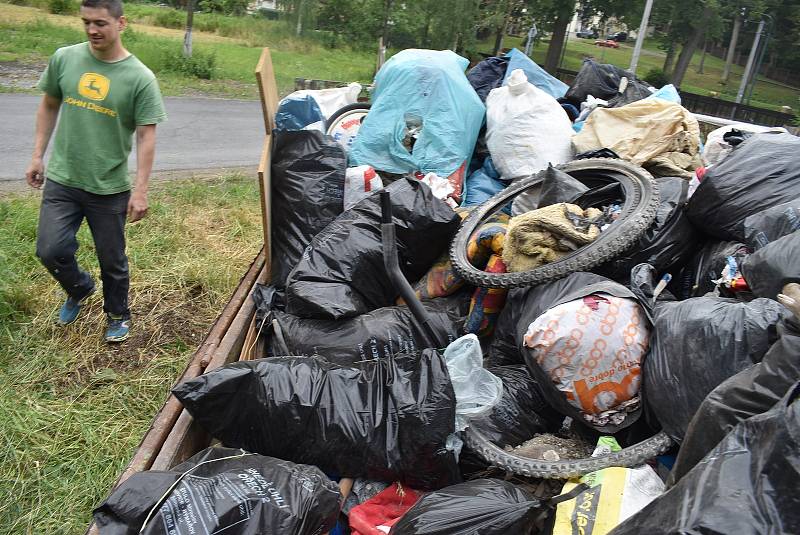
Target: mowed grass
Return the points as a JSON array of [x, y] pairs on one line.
[[29, 34], [766, 94], [73, 409]]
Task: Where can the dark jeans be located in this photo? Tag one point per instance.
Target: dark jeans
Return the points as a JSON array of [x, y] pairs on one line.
[[62, 211]]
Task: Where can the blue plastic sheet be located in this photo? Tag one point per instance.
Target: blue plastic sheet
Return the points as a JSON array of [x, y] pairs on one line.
[[483, 184], [536, 75], [668, 93], [428, 85], [297, 112]]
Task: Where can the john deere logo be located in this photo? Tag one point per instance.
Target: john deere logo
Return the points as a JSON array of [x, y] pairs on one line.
[[94, 86]]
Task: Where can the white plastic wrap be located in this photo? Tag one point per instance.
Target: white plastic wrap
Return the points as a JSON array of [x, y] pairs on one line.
[[716, 149], [332, 100], [526, 129], [477, 389], [360, 182]]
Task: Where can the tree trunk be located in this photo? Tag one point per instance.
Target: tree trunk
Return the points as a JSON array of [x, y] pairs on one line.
[[187, 37], [299, 27], [688, 49], [387, 10], [670, 59], [726, 71], [702, 57], [498, 39], [558, 39]]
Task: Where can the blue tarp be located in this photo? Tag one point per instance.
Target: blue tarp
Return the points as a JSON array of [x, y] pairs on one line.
[[536, 75], [428, 85], [297, 112], [482, 184]]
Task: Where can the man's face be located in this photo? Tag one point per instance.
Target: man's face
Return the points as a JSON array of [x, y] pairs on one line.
[[101, 28]]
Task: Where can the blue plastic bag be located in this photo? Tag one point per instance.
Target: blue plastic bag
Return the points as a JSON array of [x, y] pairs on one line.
[[483, 184], [668, 93], [297, 112], [536, 75], [424, 85]]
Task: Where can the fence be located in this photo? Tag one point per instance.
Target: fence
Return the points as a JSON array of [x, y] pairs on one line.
[[716, 107]]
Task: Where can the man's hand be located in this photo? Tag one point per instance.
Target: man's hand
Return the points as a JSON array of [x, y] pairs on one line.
[[35, 173], [790, 298], [137, 206]]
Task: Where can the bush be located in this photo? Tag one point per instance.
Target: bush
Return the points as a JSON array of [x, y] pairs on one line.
[[62, 7], [226, 7], [169, 18], [656, 78], [201, 65]]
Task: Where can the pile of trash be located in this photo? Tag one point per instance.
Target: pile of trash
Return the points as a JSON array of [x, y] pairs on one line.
[[506, 305]]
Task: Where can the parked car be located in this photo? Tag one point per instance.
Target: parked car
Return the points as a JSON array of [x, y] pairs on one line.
[[619, 37], [588, 34], [607, 42]]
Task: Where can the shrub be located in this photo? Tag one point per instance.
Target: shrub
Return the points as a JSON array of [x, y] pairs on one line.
[[62, 7], [656, 78], [169, 18]]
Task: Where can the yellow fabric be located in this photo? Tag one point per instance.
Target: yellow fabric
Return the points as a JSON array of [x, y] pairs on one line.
[[661, 136], [545, 235]]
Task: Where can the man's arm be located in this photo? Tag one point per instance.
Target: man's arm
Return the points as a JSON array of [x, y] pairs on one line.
[[145, 152], [46, 117]]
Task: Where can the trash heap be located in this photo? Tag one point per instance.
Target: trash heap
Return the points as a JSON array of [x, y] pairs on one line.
[[601, 333]]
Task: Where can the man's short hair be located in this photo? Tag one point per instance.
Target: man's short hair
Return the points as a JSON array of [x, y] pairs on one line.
[[114, 7]]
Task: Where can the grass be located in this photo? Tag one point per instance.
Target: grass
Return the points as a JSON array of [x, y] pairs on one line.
[[766, 94], [72, 409], [29, 35]]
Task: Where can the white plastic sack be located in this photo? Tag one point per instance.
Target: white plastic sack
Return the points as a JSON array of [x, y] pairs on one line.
[[477, 389], [332, 100], [360, 182], [716, 149], [592, 349], [526, 129]]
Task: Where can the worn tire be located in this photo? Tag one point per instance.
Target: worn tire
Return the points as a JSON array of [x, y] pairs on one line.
[[345, 110], [638, 213], [631, 456]]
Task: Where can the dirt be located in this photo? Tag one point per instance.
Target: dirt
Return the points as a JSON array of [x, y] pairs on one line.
[[156, 327], [20, 76], [547, 447]]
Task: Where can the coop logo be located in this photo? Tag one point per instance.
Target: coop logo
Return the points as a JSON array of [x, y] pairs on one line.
[[93, 86]]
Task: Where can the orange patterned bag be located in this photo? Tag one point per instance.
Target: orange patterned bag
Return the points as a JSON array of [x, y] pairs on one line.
[[592, 349]]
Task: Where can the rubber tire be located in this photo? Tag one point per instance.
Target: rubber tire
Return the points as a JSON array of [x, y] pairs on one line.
[[638, 213], [631, 456], [345, 109]]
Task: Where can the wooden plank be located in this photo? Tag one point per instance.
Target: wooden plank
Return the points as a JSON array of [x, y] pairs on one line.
[[268, 89], [264, 187]]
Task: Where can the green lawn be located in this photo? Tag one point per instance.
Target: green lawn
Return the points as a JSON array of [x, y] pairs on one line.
[[73, 409], [766, 94]]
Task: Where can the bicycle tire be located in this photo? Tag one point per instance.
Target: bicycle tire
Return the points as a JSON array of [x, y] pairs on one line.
[[627, 457], [333, 119], [637, 214]]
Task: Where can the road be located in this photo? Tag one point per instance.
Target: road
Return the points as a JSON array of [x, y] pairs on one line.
[[200, 134]]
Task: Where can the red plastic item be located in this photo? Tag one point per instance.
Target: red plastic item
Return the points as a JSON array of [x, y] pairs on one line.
[[378, 514]]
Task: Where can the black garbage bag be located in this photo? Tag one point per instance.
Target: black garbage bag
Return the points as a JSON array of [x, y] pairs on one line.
[[222, 490], [384, 419], [760, 173], [669, 242], [695, 346], [602, 80], [488, 75], [745, 485], [521, 413], [481, 506], [597, 153], [381, 333], [308, 171], [558, 186], [774, 266], [748, 393], [342, 275], [523, 305], [698, 274], [771, 224]]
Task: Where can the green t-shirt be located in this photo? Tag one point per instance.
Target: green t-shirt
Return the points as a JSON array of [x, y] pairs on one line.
[[102, 103]]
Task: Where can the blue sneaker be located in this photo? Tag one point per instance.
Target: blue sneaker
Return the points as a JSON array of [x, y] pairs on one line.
[[71, 308], [118, 329]]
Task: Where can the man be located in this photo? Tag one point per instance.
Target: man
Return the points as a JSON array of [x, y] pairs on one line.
[[104, 95]]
